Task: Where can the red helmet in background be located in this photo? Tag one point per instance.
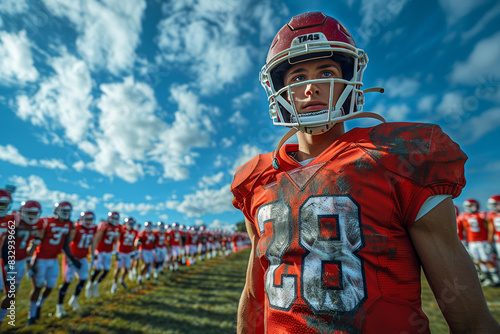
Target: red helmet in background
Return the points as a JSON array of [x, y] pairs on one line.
[[63, 210], [113, 218], [30, 212], [130, 223], [161, 226], [87, 218], [471, 206], [5, 202], [148, 226], [310, 36], [493, 203]]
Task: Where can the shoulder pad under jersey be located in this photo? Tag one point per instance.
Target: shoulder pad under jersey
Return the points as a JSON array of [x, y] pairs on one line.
[[246, 175], [417, 151]]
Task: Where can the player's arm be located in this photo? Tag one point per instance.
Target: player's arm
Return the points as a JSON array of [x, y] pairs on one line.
[[251, 307], [97, 238], [491, 230], [34, 244], [450, 272], [67, 249]]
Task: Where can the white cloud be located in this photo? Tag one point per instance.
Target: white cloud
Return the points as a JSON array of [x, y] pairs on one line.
[[207, 35], [226, 142], [109, 30], [34, 188], [11, 154], [247, 152], [456, 9], [190, 129], [208, 181], [238, 120], [451, 103], [476, 127], [106, 197], [221, 225], [16, 59], [62, 100], [148, 198], [243, 100], [393, 113], [79, 165], [203, 202], [13, 6], [377, 15], [127, 208], [128, 127], [427, 103], [401, 86], [491, 14], [481, 64]]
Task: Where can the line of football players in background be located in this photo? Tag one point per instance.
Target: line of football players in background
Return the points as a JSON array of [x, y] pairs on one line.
[[479, 231], [139, 253]]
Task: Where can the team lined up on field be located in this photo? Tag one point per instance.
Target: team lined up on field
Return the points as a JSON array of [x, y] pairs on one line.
[[139, 253], [480, 234]]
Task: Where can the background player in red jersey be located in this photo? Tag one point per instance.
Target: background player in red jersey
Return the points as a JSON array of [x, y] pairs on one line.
[[146, 243], [175, 245], [54, 239], [160, 249], [27, 229], [126, 249], [193, 251], [476, 227], [107, 235], [493, 218], [81, 238], [342, 222], [5, 220]]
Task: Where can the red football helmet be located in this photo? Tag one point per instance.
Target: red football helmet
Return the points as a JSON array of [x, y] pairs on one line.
[[471, 206], [87, 218], [311, 36], [493, 203], [175, 226], [113, 218], [30, 212], [130, 223], [148, 226], [63, 210], [5, 202], [161, 226]]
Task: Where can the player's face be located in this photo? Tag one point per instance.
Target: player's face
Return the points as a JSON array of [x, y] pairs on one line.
[[313, 97]]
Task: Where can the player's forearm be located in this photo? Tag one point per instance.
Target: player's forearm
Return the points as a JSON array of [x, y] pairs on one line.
[[250, 315]]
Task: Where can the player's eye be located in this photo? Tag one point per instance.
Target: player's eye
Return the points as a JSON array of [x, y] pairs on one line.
[[298, 78]]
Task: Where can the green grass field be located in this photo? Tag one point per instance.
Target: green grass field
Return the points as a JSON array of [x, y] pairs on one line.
[[198, 299]]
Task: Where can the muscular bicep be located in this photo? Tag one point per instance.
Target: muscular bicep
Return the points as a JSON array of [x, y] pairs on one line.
[[450, 271]]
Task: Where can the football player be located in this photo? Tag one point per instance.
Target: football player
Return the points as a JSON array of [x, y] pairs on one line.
[[146, 243], [26, 231], [126, 250], [193, 248], [107, 235], [202, 243], [175, 242], [341, 222], [82, 238], [476, 227], [160, 249], [54, 239], [493, 218]]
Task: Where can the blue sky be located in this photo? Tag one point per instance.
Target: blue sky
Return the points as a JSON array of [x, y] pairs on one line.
[[147, 107]]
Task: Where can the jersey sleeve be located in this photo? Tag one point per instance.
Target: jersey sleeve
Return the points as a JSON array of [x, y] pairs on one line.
[[245, 179], [422, 161]]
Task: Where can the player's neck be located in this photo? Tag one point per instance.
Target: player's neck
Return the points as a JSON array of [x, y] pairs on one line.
[[310, 146]]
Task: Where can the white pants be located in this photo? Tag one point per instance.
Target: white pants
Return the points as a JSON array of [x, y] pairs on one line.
[[70, 270], [46, 273], [103, 261]]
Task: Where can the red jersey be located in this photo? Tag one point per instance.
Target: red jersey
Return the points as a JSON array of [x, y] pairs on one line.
[[24, 234], [188, 238], [494, 218], [53, 239], [194, 237], [475, 226], [160, 238], [333, 234], [127, 239], [147, 240], [109, 236], [174, 238], [83, 238]]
